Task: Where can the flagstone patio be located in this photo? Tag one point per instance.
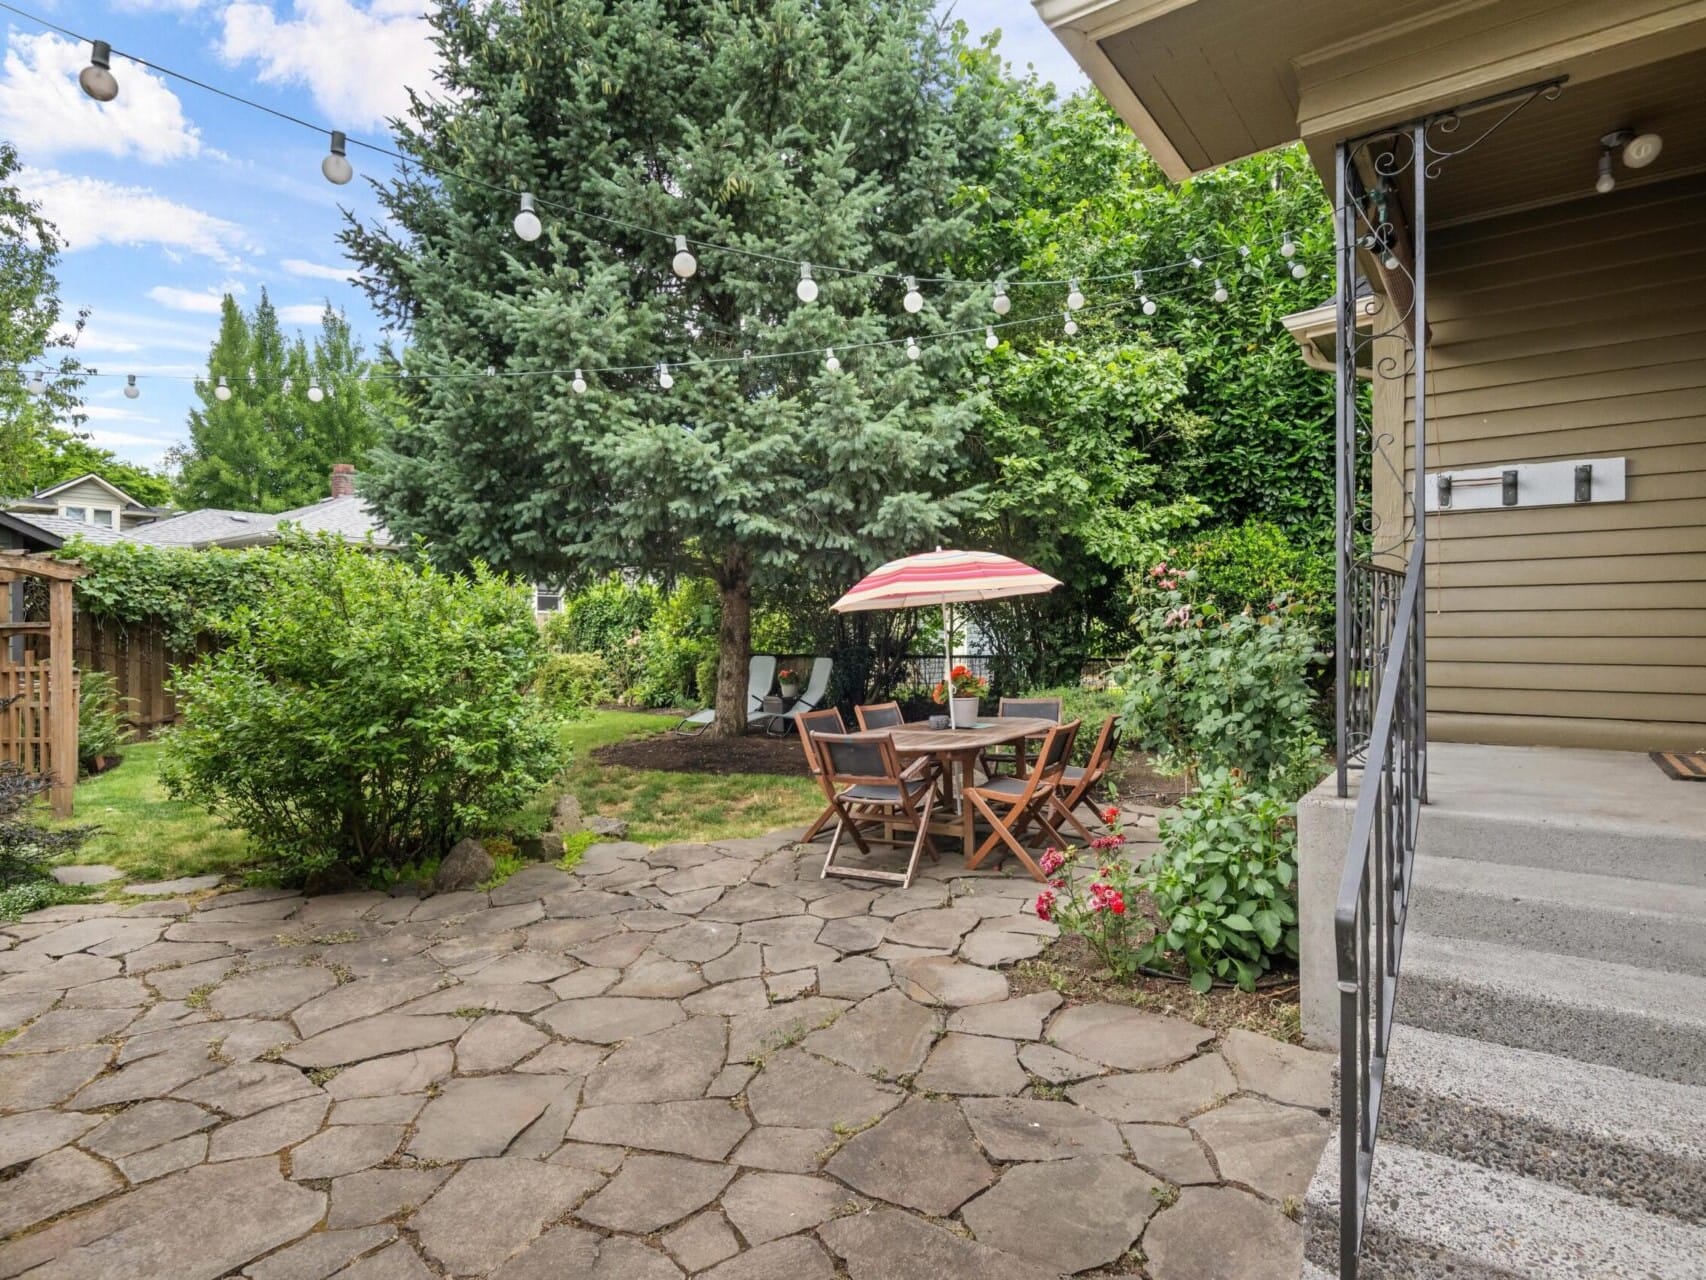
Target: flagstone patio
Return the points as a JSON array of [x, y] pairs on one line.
[[676, 1060]]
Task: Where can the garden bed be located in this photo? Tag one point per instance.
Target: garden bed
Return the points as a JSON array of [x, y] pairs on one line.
[[701, 753]]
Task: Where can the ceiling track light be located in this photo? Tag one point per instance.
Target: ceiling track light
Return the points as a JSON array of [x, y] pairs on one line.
[[527, 224], [97, 78], [1606, 182], [684, 264], [336, 166]]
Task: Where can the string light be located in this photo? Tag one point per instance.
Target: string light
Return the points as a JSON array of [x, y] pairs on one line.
[[131, 390], [578, 386], [1137, 280], [97, 78], [252, 378], [1002, 303], [990, 341], [36, 385], [1243, 251], [912, 350], [315, 393], [336, 165], [1299, 270], [829, 360], [527, 224], [222, 389], [285, 386], [684, 264], [914, 300], [1075, 298], [1288, 247], [1071, 325], [806, 289], [491, 371], [1220, 294], [665, 380], [1196, 262], [1148, 305]]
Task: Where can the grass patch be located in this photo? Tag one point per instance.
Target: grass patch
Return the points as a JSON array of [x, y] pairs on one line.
[[148, 835], [664, 807], [574, 846]]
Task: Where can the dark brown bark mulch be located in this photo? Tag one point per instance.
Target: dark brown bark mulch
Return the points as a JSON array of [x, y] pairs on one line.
[[678, 753]]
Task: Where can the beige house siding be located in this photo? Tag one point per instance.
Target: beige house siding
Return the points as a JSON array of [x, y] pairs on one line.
[[88, 495], [1575, 331]]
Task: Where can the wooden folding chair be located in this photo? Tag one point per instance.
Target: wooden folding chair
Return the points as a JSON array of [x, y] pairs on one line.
[[875, 789], [1078, 786], [1024, 801], [880, 715], [995, 759], [826, 721]]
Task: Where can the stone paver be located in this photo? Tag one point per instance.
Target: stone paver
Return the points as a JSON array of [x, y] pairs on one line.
[[765, 1075]]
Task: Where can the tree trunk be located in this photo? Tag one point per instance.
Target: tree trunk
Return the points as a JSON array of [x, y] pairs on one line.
[[734, 649]]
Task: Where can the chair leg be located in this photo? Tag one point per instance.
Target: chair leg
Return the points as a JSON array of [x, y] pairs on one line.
[[919, 843], [816, 829], [1065, 812], [834, 844]]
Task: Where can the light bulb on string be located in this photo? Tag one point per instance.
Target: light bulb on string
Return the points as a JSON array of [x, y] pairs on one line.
[[491, 371], [1148, 305], [1196, 262], [1075, 297], [665, 379], [1243, 251], [578, 386], [1002, 303], [97, 78], [252, 378], [1220, 294], [989, 339], [527, 224], [315, 393], [914, 300], [222, 389], [1606, 183], [36, 385], [336, 165], [1390, 260], [1299, 270], [830, 361], [1137, 281], [912, 349], [1071, 325], [131, 390], [806, 289], [684, 264], [1288, 247]]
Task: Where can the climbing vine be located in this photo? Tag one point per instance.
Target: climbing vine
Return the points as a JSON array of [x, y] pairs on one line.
[[186, 593]]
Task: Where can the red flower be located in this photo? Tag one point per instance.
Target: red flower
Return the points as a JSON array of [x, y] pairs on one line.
[[1111, 814], [1045, 904], [1116, 904], [1107, 842], [1051, 861], [1059, 882]]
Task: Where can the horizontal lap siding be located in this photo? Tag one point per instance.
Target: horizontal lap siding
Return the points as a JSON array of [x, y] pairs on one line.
[[1572, 332]]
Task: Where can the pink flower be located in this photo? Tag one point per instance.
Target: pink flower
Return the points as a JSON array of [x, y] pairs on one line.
[[1107, 842], [1051, 861], [1045, 904], [1159, 570], [1169, 584], [1104, 897]]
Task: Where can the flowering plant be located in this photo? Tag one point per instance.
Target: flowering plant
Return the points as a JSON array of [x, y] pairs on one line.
[[787, 675], [964, 685], [1093, 893]]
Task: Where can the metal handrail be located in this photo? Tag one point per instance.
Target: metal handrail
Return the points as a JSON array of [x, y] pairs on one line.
[[1372, 594], [1374, 901]]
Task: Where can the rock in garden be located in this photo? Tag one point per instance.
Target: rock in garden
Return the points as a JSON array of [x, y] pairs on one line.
[[546, 847], [605, 828], [465, 866], [566, 814]]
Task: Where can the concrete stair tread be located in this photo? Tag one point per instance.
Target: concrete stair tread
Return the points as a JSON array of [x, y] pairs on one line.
[[1432, 1217], [1579, 890]]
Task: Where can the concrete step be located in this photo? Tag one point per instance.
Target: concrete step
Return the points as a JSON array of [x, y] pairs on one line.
[[1617, 1015], [1598, 917], [1431, 1217], [1590, 812], [1607, 1133]]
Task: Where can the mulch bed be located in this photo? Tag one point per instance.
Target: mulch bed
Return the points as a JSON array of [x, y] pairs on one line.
[[678, 753], [1136, 782]]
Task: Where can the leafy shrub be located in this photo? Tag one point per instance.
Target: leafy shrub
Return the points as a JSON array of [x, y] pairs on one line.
[[601, 617], [101, 729], [1091, 705], [1253, 564], [188, 594], [1212, 690], [705, 677], [569, 683], [367, 713], [26, 847], [33, 895], [1225, 883]]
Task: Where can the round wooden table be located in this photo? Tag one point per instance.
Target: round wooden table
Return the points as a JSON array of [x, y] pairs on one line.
[[962, 747]]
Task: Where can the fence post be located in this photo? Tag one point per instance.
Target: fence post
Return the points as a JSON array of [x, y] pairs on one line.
[[62, 697]]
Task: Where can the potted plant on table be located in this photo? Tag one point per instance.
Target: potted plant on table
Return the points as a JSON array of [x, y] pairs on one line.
[[789, 681], [964, 689]]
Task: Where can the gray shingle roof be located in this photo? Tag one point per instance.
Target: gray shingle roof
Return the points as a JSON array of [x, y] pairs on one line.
[[60, 527], [348, 517], [199, 528]]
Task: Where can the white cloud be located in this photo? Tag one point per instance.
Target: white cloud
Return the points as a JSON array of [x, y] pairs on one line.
[[317, 271], [44, 112], [93, 211], [302, 313], [203, 302], [356, 59]]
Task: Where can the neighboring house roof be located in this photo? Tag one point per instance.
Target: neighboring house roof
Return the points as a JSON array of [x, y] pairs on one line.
[[55, 531], [348, 517], [45, 496], [203, 528]]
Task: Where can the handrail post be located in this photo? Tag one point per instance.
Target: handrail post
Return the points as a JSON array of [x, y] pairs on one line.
[[1344, 488]]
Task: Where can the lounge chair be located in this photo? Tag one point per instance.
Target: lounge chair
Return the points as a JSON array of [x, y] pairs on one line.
[[817, 688], [760, 675]]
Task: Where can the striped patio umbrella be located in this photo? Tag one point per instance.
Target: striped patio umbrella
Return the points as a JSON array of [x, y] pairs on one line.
[[944, 578]]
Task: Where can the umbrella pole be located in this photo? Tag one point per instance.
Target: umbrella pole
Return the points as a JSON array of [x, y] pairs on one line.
[[948, 668]]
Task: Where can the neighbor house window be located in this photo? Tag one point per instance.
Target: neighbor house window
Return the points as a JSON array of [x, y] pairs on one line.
[[101, 516], [80, 514], [547, 599]]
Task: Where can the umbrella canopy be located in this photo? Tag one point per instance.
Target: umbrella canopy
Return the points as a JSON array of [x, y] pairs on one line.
[[944, 577]]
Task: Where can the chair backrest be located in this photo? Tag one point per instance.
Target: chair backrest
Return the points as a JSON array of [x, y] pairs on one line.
[[880, 715], [1056, 752], [826, 721], [850, 758], [1102, 755], [1032, 708], [817, 684], [760, 675]]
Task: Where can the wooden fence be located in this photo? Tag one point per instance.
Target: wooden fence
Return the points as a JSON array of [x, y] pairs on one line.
[[140, 664], [25, 735]]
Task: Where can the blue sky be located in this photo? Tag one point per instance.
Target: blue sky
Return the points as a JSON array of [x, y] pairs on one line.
[[170, 196]]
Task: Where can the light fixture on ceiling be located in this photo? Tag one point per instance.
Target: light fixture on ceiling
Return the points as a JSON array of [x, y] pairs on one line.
[[1638, 151]]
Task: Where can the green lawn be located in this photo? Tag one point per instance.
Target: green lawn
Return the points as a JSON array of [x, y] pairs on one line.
[[146, 833], [150, 836]]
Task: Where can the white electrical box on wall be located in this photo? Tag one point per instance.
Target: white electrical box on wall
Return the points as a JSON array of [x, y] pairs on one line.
[[1526, 484]]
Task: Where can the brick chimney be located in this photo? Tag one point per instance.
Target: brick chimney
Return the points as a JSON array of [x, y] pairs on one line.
[[343, 480]]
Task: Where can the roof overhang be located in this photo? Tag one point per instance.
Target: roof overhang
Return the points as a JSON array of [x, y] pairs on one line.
[[88, 477]]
